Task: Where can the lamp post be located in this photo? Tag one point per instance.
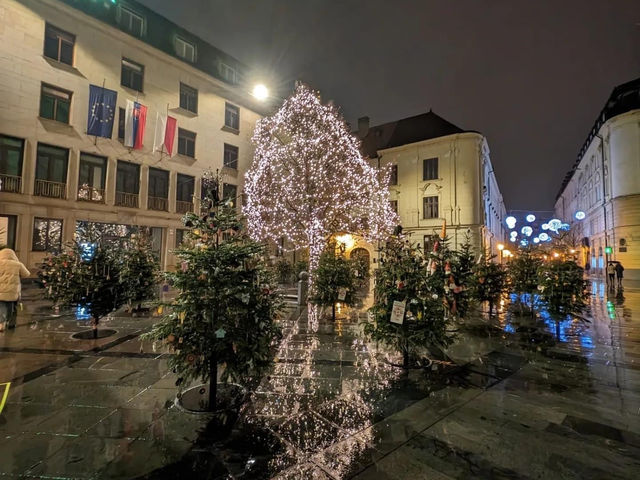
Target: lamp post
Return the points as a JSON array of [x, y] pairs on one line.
[[501, 249]]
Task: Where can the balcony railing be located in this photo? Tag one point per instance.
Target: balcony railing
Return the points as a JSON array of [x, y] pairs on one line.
[[183, 207], [45, 188], [10, 183], [91, 194], [124, 199], [158, 203]]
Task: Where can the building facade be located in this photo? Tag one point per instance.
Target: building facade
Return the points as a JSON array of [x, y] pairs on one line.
[[440, 174], [604, 186], [53, 175]]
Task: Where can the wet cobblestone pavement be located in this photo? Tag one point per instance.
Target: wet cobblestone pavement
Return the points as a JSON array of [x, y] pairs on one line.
[[525, 399]]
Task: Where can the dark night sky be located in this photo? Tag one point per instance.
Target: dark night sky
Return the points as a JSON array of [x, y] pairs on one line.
[[530, 75]]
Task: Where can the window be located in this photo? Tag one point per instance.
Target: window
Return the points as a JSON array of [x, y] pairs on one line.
[[394, 205], [180, 233], [430, 169], [132, 75], [184, 193], [8, 230], [231, 116], [229, 192], [230, 156], [47, 234], [127, 184], [393, 179], [11, 155], [91, 177], [186, 143], [122, 115], [229, 73], [58, 44], [428, 243], [55, 103], [188, 98], [185, 50], [51, 171], [158, 189], [430, 207], [131, 22]]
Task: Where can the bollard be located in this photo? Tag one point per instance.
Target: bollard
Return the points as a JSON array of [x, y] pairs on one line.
[[303, 286]]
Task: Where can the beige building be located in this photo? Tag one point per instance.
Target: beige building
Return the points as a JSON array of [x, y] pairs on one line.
[[440, 174], [53, 175], [600, 196]]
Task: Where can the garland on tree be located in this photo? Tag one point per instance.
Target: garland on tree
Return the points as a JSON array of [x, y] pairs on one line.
[[225, 310]]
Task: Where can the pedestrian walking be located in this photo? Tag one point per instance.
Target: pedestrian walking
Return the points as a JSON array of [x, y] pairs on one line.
[[611, 272], [11, 270], [619, 269]]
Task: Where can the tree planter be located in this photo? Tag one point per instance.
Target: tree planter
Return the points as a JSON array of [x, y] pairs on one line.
[[195, 400]]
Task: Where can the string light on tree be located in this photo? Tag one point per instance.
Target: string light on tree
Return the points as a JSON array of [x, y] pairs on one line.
[[309, 180]]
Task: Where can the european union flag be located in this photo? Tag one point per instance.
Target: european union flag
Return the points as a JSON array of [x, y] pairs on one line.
[[102, 111]]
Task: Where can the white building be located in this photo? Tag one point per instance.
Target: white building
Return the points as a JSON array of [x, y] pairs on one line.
[[440, 174], [604, 184], [53, 175]]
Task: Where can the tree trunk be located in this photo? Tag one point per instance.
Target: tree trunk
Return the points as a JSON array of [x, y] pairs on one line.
[[94, 326], [490, 307], [533, 313], [213, 382]]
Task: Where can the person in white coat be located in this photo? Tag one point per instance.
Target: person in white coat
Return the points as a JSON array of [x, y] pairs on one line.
[[11, 270]]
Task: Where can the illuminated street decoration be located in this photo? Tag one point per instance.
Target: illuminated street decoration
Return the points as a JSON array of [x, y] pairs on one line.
[[554, 225], [527, 230], [511, 222], [580, 215], [524, 242], [545, 226], [531, 218], [536, 240], [544, 237], [309, 180], [565, 226]]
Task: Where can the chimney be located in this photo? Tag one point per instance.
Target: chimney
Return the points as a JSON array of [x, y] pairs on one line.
[[363, 126]]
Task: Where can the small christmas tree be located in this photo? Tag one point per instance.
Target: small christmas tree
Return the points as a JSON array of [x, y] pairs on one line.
[[335, 280], [226, 306], [463, 273], [523, 275], [87, 275], [490, 282], [562, 287], [140, 271], [413, 283]]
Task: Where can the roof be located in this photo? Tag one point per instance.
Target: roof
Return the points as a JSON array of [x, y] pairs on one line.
[[623, 99], [408, 130], [160, 32]]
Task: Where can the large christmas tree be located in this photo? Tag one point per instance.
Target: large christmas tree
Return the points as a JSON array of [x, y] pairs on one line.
[[86, 275], [490, 282], [224, 313], [414, 299], [562, 287], [309, 180]]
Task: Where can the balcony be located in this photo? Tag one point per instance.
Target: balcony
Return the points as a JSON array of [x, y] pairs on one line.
[[184, 207], [45, 188], [91, 194], [125, 199], [158, 203], [10, 183]]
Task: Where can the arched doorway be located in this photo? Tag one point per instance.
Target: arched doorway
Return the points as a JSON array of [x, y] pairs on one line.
[[362, 260]]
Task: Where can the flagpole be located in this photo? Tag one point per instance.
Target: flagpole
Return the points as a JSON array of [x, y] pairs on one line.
[[95, 138]]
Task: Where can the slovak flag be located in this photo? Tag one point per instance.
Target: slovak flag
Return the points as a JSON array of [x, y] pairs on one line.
[[134, 123], [165, 133]]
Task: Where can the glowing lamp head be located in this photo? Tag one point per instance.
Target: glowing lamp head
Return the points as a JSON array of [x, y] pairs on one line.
[[531, 218], [556, 254], [346, 240], [580, 215], [506, 253], [260, 92], [500, 246], [510, 221]]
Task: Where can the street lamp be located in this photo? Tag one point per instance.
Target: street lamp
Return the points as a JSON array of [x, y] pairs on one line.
[[501, 248], [260, 92]]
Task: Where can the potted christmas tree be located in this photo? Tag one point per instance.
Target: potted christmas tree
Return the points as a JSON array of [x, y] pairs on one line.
[[86, 276], [335, 280], [224, 313]]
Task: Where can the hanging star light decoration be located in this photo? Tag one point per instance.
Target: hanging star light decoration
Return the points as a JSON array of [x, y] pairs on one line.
[[309, 180]]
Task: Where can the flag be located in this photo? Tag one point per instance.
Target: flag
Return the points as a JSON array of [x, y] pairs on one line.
[[165, 133], [134, 124], [102, 111]]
